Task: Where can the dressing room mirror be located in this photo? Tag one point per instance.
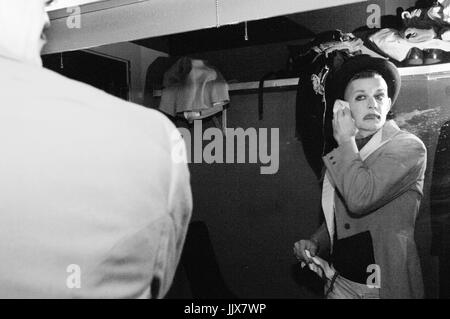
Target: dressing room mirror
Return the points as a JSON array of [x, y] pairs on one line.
[[120, 45]]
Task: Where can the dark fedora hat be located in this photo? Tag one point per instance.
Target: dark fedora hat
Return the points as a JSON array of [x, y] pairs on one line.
[[340, 77]]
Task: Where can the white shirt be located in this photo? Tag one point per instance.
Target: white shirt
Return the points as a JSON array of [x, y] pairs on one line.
[[86, 179]]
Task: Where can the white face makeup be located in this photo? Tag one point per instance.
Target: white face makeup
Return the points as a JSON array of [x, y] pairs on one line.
[[21, 27], [369, 103]]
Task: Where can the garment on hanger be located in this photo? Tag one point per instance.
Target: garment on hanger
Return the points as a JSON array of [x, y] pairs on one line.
[[154, 79], [193, 89]]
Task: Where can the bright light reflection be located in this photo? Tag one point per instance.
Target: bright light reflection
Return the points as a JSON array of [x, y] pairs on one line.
[[60, 4]]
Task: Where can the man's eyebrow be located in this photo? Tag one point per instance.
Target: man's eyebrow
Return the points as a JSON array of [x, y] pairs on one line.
[[49, 2], [364, 91]]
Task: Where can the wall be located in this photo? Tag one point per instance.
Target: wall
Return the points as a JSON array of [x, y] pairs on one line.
[[422, 108], [254, 219]]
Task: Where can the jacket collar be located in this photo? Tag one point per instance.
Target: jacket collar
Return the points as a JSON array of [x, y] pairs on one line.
[[389, 130]]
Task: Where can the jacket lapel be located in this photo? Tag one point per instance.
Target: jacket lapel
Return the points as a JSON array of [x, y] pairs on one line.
[[389, 130]]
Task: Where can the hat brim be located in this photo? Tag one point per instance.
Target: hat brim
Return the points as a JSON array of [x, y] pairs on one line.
[[342, 76]]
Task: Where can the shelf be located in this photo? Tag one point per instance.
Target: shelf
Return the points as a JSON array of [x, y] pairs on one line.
[[431, 70], [241, 86], [424, 69]]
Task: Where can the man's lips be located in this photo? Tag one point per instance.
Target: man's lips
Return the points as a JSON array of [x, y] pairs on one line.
[[372, 117]]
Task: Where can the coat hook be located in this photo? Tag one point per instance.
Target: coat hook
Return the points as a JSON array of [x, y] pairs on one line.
[[217, 14], [61, 61], [246, 31]]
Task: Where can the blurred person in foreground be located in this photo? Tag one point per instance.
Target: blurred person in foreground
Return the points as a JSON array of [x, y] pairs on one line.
[[95, 196]]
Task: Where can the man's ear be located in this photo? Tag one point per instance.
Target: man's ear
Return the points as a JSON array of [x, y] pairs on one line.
[[390, 104]]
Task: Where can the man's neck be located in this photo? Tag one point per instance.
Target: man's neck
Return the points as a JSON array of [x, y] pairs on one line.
[[362, 141]]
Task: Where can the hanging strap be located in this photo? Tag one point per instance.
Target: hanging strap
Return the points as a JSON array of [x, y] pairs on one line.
[[261, 93]]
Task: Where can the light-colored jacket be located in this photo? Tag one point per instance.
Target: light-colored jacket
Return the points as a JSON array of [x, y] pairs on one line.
[[382, 195], [91, 203]]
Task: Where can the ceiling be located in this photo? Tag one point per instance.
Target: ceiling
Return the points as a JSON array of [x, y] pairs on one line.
[[170, 24], [271, 30], [279, 29]]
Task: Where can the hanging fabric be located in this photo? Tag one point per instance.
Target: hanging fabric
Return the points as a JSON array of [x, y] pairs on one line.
[[315, 62], [193, 89]]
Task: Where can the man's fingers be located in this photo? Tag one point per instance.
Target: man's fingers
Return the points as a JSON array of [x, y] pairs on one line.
[[304, 250], [316, 269], [318, 260], [312, 250], [306, 258], [299, 251], [298, 248], [327, 270]]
